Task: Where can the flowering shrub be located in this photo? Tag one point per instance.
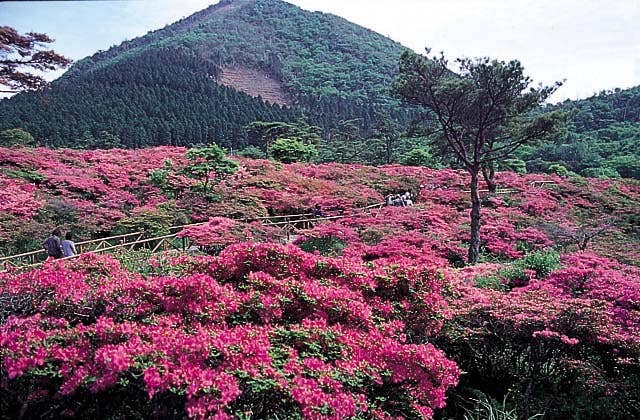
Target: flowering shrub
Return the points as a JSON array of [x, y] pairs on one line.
[[261, 330], [18, 198], [270, 331], [564, 345]]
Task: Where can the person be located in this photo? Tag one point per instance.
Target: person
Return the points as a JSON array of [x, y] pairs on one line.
[[68, 246], [389, 200], [52, 244], [317, 211], [408, 202]]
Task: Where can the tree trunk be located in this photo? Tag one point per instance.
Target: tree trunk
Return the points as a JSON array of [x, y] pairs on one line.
[[489, 172], [388, 150], [474, 245]]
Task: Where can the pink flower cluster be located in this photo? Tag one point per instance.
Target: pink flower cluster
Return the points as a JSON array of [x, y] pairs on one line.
[[329, 336]]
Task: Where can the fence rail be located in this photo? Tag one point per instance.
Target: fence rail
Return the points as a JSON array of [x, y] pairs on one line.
[[288, 225], [508, 191]]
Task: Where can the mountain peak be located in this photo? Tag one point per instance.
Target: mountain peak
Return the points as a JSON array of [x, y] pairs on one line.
[[260, 54]]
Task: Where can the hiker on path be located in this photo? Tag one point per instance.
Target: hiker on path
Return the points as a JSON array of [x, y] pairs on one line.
[[408, 201], [52, 245], [317, 211], [68, 246]]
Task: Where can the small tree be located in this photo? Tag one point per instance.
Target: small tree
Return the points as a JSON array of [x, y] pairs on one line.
[[293, 150], [484, 113], [388, 131], [25, 51], [266, 132], [207, 163], [344, 143], [418, 156]]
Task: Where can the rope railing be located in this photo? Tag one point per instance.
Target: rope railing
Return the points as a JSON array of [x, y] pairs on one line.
[[135, 240]]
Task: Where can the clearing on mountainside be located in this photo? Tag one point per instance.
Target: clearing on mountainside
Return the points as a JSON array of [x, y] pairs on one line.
[[255, 83]]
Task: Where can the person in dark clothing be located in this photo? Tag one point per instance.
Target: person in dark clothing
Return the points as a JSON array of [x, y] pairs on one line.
[[317, 211], [52, 245]]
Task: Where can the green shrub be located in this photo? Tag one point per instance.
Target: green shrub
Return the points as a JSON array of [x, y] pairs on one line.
[[16, 137], [419, 156], [515, 165], [30, 176], [542, 262], [558, 169], [626, 166], [490, 282], [487, 408], [514, 274], [292, 150], [600, 172], [152, 223], [328, 246], [251, 152]]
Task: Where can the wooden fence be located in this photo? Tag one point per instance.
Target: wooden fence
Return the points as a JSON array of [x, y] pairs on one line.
[[287, 224]]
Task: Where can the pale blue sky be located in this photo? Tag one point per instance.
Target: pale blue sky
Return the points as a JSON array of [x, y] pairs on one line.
[[594, 44]]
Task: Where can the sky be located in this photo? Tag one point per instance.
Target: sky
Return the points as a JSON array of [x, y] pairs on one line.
[[591, 44]]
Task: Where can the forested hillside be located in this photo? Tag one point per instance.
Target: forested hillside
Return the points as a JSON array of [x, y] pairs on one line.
[[204, 79], [166, 87], [602, 138]]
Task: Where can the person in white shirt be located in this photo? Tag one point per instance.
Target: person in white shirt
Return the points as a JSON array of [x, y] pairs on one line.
[[68, 247]]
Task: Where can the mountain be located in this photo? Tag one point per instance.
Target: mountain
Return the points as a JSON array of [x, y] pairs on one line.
[[204, 78]]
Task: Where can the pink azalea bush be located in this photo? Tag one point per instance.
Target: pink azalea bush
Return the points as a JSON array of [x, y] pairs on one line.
[[567, 344], [367, 324], [259, 330]]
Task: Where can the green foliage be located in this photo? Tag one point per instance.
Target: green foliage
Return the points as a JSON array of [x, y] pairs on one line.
[[330, 69], [208, 162], [293, 150], [329, 246], [152, 223], [58, 212], [487, 408], [420, 156], [602, 173], [514, 275], [604, 131], [627, 166], [160, 177], [515, 165], [194, 108], [508, 123], [16, 137], [490, 282], [251, 152], [559, 170], [542, 262], [135, 261], [265, 133], [31, 176], [102, 140]]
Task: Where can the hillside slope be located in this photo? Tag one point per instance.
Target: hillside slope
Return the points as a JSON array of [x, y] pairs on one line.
[[602, 138], [168, 87], [88, 192], [371, 307]]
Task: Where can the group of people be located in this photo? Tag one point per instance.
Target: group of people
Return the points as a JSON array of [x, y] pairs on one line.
[[400, 200], [57, 247]]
